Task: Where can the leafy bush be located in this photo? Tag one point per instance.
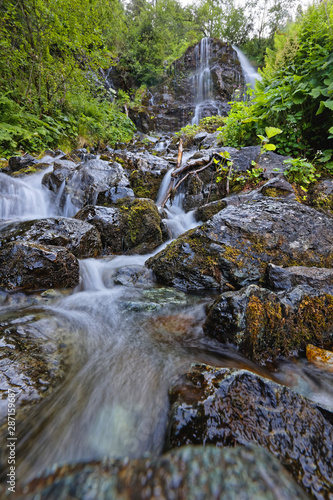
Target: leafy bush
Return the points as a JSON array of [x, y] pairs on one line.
[[301, 172], [239, 126]]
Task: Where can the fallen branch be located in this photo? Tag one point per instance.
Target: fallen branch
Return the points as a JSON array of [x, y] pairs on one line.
[[172, 187]]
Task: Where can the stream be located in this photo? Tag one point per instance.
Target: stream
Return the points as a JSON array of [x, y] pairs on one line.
[[124, 347], [124, 344]]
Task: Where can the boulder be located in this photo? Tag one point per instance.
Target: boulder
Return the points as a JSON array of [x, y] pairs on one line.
[[191, 473], [80, 238], [132, 226], [277, 188], [16, 163], [31, 266], [265, 325], [146, 171], [207, 189], [320, 196], [236, 245], [280, 278], [229, 407], [134, 275], [272, 164], [82, 183]]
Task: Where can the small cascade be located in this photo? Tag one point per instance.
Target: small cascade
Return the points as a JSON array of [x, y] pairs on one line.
[[178, 220], [202, 81], [249, 72], [24, 199]]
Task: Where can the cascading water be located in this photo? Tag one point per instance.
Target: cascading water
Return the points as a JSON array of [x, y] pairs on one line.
[[202, 82], [249, 72], [124, 345]]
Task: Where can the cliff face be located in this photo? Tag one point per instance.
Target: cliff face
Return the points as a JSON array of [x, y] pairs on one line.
[[201, 83]]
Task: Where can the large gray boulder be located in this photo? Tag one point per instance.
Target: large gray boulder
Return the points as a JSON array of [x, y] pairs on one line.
[[132, 226], [235, 246], [78, 237], [229, 407], [82, 183], [31, 266]]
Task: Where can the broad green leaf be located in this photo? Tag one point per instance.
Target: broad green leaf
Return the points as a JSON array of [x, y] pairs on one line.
[[270, 147], [272, 131], [328, 104]]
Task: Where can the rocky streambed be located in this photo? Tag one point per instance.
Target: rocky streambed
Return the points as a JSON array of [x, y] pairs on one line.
[[131, 332]]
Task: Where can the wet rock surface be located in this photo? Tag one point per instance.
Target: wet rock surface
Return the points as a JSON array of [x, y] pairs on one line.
[[228, 407], [78, 237], [280, 278], [265, 325], [31, 266], [132, 226], [191, 473], [171, 104], [82, 183], [145, 171], [237, 244], [31, 365]]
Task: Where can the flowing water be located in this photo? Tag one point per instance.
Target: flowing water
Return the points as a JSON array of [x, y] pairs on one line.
[[124, 347], [249, 72], [202, 83], [125, 344]]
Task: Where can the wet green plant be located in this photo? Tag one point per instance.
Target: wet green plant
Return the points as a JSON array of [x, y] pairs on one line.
[[301, 172]]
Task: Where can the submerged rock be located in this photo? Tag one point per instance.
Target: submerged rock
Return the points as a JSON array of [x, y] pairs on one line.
[[80, 238], [237, 244], [132, 226], [31, 266], [31, 365], [191, 473], [228, 407], [134, 276], [265, 325]]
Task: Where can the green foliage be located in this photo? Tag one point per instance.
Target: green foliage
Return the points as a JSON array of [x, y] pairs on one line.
[[49, 57], [223, 166], [238, 130], [211, 123], [255, 174], [296, 92], [301, 171], [265, 144]]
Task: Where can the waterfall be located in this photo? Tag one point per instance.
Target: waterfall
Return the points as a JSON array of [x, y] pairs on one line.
[[202, 81], [249, 72]]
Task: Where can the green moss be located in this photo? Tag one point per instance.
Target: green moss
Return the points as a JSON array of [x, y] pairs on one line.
[[274, 329], [145, 184], [274, 192]]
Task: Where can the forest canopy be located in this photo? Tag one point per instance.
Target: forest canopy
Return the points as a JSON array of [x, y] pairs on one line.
[[54, 57]]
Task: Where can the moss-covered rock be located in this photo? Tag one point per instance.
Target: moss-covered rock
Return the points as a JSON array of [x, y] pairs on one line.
[[130, 226], [227, 407], [265, 325], [31, 266], [320, 196], [236, 245]]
